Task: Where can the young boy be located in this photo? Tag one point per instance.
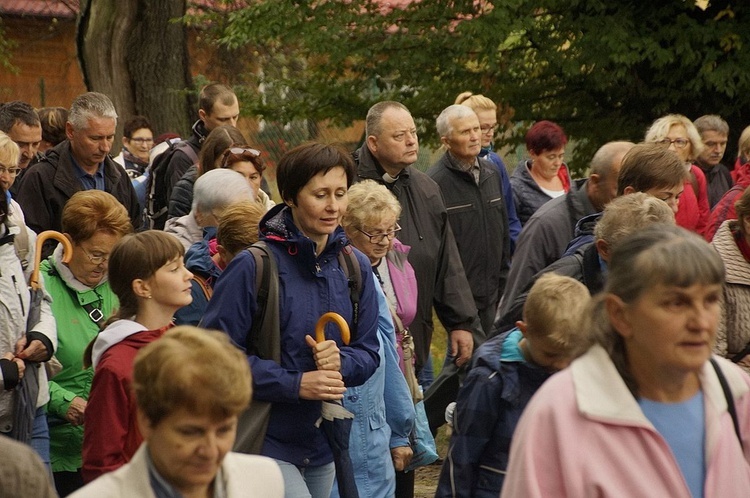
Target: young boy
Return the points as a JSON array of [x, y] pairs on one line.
[[507, 371]]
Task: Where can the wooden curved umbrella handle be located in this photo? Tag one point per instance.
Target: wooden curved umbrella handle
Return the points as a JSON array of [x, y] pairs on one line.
[[320, 332], [40, 240]]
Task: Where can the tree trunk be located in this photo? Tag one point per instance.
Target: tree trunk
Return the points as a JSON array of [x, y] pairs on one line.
[[136, 53]]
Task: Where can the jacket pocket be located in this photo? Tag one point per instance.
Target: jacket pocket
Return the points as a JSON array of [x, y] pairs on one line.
[[460, 208]]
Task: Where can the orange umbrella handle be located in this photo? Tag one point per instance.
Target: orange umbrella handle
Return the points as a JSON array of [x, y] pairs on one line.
[[320, 332], [40, 240]]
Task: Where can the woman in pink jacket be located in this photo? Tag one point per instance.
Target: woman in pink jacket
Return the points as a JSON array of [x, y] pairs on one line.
[[645, 411]]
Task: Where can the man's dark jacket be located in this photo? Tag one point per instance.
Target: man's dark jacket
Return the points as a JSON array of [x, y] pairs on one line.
[[479, 221], [441, 280], [544, 238], [48, 184]]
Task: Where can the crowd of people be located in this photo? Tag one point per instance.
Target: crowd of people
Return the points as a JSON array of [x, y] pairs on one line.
[[182, 334]]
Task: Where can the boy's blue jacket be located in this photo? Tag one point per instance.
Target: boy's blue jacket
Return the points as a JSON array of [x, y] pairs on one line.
[[309, 286], [488, 407]]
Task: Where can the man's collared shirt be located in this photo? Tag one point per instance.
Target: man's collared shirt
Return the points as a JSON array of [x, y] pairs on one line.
[[89, 182]]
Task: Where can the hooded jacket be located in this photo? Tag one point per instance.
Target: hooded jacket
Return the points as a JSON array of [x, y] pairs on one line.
[[309, 286], [47, 185], [111, 435], [75, 330], [434, 255], [489, 404]]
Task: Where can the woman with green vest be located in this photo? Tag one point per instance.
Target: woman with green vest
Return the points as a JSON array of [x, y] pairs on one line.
[[93, 221]]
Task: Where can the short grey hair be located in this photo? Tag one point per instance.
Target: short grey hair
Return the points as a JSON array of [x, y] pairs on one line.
[[711, 122], [375, 116], [90, 105], [604, 158], [216, 189], [444, 122]]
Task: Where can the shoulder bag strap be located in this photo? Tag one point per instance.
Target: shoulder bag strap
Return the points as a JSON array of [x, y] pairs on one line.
[[730, 399]]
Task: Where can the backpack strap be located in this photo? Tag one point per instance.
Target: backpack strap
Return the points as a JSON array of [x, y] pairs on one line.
[[188, 149], [730, 399], [264, 338], [203, 284], [350, 265]]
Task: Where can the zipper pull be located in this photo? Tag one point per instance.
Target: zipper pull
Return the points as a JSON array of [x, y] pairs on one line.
[[317, 268]]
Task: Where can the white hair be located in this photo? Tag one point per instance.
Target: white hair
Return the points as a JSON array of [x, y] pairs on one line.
[[218, 188], [444, 122]]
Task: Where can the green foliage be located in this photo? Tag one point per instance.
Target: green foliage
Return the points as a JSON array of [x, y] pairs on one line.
[[603, 69], [6, 49]]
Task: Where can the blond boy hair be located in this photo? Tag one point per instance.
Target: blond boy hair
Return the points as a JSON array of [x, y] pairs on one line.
[[556, 308]]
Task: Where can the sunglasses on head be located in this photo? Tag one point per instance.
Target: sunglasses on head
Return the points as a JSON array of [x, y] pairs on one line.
[[236, 154]]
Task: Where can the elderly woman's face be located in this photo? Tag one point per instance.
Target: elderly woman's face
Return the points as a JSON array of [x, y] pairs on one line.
[[374, 239], [678, 135], [90, 258], [187, 448], [668, 330]]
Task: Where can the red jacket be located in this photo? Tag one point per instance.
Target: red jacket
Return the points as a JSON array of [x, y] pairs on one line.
[[111, 436], [724, 209], [693, 211]]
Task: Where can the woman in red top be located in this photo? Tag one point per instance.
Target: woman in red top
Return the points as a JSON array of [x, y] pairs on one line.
[[681, 137], [147, 272]]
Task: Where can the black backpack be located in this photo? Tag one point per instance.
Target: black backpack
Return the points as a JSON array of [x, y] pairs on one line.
[[264, 339], [155, 210]]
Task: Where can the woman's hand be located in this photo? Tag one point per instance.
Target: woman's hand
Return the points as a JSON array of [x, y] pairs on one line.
[[74, 415], [401, 457], [324, 385], [326, 354]]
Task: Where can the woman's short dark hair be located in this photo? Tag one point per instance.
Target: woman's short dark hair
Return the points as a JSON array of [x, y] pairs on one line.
[[134, 124], [545, 135], [302, 163]]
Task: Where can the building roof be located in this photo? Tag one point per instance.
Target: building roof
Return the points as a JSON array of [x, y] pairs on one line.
[[40, 8]]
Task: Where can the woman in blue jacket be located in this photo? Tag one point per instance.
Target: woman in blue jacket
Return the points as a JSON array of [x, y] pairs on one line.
[[305, 238]]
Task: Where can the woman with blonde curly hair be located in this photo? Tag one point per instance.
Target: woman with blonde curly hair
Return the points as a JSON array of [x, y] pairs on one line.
[[679, 134]]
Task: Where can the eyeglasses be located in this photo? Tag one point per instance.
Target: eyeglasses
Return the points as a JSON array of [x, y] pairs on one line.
[[380, 237], [680, 143], [237, 154], [11, 171], [95, 260], [486, 129], [142, 140]]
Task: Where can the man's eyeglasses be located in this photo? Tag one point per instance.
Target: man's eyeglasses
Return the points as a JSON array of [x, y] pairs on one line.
[[95, 259], [680, 143], [380, 237], [10, 171], [140, 140], [238, 154]]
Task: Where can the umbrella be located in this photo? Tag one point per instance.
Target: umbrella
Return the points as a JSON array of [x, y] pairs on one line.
[[336, 421], [28, 389]]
